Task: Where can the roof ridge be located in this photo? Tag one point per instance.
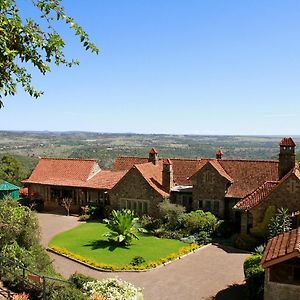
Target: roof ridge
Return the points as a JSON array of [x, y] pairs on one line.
[[69, 158]]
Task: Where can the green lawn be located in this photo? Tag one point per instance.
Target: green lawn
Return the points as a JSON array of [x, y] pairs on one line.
[[87, 241]]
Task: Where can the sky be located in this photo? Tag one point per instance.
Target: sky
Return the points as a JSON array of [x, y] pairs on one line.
[[171, 66]]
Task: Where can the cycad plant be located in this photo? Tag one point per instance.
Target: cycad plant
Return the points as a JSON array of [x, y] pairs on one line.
[[124, 227]]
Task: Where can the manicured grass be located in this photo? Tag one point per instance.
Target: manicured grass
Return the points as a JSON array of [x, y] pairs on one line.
[[87, 241]]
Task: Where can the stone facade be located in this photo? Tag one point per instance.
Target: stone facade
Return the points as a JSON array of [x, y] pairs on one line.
[[209, 189], [280, 291], [286, 194], [134, 191]]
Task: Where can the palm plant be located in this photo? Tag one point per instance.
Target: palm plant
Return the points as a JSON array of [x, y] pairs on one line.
[[124, 227]]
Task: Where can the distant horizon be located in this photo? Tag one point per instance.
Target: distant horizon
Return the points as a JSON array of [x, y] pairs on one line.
[[136, 133]]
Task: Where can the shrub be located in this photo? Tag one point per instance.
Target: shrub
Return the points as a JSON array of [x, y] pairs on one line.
[[203, 238], [198, 220], [148, 223], [22, 296], [84, 217], [66, 292], [167, 234], [261, 229], [254, 276], [170, 214], [113, 289], [245, 241], [137, 261], [226, 229], [78, 280]]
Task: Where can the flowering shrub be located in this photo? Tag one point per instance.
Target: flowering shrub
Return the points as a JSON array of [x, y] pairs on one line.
[[112, 289], [22, 296]]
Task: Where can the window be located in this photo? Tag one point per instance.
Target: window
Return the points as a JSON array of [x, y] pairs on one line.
[[200, 204], [208, 177], [215, 209], [139, 206]]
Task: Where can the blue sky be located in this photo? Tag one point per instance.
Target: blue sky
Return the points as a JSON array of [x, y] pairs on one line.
[[170, 66]]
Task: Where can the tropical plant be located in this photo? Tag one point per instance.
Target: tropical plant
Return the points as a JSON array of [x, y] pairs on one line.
[[124, 227], [280, 223]]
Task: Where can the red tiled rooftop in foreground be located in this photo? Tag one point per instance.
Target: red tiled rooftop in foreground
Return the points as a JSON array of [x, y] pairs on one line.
[[281, 248]]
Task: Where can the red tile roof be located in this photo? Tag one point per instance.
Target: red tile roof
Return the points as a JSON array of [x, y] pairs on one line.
[[257, 196], [153, 175], [262, 192], [105, 179], [287, 142], [247, 175], [153, 151], [281, 248], [73, 172]]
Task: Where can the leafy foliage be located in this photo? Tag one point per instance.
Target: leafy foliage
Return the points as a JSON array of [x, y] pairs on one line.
[[124, 227], [261, 229], [137, 261], [199, 221], [25, 40], [254, 275], [12, 170], [112, 289], [280, 223], [170, 214]]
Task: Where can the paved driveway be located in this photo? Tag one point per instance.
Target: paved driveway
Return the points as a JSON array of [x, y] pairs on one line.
[[197, 276]]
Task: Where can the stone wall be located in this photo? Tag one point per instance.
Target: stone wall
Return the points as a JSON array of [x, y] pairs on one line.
[[134, 186], [280, 291], [286, 195], [209, 185]]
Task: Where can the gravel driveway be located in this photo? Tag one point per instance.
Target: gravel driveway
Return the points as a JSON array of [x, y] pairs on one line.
[[200, 275]]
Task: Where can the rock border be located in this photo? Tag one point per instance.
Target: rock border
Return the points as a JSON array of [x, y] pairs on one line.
[[120, 271]]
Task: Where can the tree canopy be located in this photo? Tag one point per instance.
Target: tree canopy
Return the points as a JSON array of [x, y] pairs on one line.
[[33, 41]]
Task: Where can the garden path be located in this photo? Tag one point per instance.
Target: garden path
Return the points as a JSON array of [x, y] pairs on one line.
[[200, 275]]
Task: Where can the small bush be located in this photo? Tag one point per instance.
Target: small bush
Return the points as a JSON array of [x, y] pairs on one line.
[[66, 292], [148, 223], [226, 229], [245, 241], [261, 229], [170, 214], [167, 234], [203, 238], [197, 221], [254, 276], [84, 218], [137, 261], [78, 280]]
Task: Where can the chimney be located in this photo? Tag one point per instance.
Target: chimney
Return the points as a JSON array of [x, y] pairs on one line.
[[219, 154], [167, 176], [287, 157], [153, 156]]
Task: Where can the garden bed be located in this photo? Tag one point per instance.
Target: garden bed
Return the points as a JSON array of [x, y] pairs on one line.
[[87, 244]]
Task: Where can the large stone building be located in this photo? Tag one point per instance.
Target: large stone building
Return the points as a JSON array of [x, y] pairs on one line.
[[140, 183]]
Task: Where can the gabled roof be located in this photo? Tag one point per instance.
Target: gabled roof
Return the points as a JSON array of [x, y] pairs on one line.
[[281, 248], [105, 179], [261, 193], [73, 172], [247, 175], [216, 165], [153, 175], [257, 196]]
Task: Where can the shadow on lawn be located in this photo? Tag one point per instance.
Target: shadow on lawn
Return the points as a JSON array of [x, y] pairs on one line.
[[103, 244]]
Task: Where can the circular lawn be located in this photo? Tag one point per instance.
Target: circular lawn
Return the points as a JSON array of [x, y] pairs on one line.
[[87, 243]]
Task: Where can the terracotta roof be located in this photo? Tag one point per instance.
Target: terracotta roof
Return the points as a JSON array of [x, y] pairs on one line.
[[220, 152], [216, 165], [247, 175], [257, 196], [288, 142], [73, 172], [153, 175], [105, 179], [281, 248], [262, 192]]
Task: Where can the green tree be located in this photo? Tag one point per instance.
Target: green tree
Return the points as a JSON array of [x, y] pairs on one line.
[[280, 223], [12, 170], [29, 41], [124, 227]]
